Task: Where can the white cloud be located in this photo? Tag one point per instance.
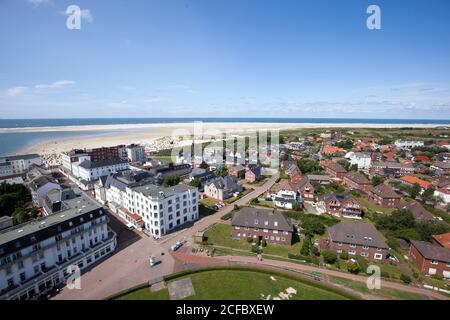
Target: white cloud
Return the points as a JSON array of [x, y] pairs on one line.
[[38, 2], [55, 85], [85, 14], [15, 91]]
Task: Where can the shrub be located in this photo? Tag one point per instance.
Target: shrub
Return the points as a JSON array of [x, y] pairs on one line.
[[315, 251], [415, 275], [249, 239], [264, 243], [353, 267], [305, 247], [343, 255], [299, 257], [406, 279], [329, 257]]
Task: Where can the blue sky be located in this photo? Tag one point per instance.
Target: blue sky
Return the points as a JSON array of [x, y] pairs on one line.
[[234, 58]]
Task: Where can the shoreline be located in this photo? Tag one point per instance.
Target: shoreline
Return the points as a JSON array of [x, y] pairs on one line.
[[149, 134], [275, 125]]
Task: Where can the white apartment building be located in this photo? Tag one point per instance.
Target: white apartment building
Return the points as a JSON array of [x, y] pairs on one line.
[[361, 159], [11, 165], [408, 144], [136, 153], [157, 209], [41, 254]]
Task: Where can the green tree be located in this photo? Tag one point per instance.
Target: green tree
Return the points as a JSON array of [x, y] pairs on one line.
[[171, 181], [415, 190], [377, 181], [353, 267], [195, 183], [329, 257], [307, 165], [405, 278], [304, 251], [343, 255], [20, 215]]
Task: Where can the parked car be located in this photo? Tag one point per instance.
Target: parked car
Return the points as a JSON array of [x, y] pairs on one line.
[[176, 246]]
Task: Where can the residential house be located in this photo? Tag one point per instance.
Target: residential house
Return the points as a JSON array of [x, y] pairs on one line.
[[441, 168], [319, 178], [332, 150], [442, 239], [408, 144], [342, 205], [411, 180], [384, 196], [39, 188], [259, 224], [11, 165], [391, 169], [418, 211], [253, 172], [305, 189], [334, 169], [222, 188], [356, 180], [237, 171], [357, 238], [431, 259]]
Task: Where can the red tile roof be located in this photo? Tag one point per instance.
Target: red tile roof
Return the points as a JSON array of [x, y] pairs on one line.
[[412, 180], [443, 239]]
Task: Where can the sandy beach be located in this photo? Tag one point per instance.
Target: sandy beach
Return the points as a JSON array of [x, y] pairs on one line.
[[148, 134]]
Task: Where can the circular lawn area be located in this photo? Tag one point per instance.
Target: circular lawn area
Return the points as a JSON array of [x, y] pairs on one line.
[[242, 284]]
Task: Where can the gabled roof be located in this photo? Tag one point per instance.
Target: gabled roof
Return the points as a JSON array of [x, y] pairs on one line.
[[413, 180], [336, 167], [257, 218], [418, 211], [88, 164], [358, 233], [384, 191], [357, 177], [432, 251], [443, 239]]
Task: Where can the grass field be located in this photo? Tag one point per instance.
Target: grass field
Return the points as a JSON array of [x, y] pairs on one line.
[[241, 285]]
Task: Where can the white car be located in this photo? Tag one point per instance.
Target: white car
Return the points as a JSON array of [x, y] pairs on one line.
[[176, 246]]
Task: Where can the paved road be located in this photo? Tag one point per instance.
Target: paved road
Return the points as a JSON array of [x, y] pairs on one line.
[[307, 268], [206, 222]]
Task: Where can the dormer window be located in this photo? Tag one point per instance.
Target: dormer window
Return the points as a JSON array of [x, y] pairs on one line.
[[275, 223], [256, 221], [266, 223]]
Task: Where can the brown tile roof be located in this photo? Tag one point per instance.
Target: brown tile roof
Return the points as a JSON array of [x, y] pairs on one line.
[[384, 191], [336, 167], [357, 177], [257, 218], [358, 233], [432, 251], [418, 211], [443, 239]]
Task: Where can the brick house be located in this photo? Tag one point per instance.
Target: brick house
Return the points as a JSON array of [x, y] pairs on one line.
[[418, 211], [222, 188], [253, 172], [357, 238], [342, 205], [431, 259], [258, 224], [384, 196], [334, 169], [391, 169], [305, 189], [236, 171], [442, 239], [356, 180]]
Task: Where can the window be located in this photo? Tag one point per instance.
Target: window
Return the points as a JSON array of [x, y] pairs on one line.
[[378, 256], [434, 262]]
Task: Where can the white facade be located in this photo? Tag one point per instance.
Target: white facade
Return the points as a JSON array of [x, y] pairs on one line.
[[92, 173], [362, 160], [43, 261], [136, 153], [161, 209], [408, 144], [18, 164]]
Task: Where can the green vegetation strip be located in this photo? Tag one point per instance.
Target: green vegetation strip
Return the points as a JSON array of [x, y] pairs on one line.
[[240, 282]]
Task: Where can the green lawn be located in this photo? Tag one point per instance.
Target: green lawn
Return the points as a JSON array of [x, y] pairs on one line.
[[209, 202], [240, 195], [371, 206], [383, 292], [243, 285], [220, 234]]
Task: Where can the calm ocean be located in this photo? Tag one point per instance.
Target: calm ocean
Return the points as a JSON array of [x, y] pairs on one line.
[[10, 143]]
